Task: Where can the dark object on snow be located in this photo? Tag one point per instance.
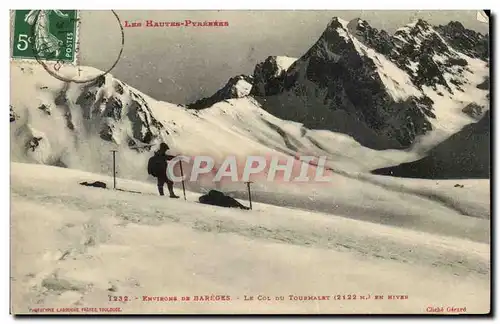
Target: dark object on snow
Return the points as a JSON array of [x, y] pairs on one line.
[[458, 186], [97, 184], [218, 198]]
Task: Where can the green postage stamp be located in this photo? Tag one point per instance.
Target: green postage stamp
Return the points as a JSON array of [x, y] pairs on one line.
[[49, 35]]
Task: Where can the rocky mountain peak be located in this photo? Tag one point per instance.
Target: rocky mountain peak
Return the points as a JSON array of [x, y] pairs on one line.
[[268, 76], [357, 24], [335, 28], [417, 30], [456, 25], [335, 23], [420, 51], [422, 25], [467, 41], [333, 43], [379, 40], [236, 87]]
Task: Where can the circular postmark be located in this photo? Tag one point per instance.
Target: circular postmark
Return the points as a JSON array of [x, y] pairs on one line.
[[40, 45]]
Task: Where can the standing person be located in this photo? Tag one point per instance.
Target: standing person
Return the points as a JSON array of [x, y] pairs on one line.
[[157, 167]]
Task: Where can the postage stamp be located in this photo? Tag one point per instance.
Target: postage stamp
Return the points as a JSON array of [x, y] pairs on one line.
[[49, 35]]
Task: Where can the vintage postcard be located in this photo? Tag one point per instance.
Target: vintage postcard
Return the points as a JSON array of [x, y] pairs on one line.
[[250, 162]]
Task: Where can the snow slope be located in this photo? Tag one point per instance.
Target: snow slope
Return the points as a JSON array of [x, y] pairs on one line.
[[246, 120], [71, 133], [72, 246], [240, 127]]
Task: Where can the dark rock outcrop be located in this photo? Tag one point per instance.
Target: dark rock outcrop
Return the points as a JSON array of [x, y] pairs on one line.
[[473, 110], [34, 143]]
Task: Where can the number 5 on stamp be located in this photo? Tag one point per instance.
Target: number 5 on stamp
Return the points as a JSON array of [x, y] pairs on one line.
[[48, 35]]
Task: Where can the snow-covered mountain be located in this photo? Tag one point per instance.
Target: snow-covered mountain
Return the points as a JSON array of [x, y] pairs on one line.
[[237, 127], [350, 81], [385, 91], [77, 125], [409, 89]]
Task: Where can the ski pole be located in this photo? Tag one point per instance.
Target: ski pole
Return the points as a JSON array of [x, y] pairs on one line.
[[114, 169], [249, 194], [182, 176]]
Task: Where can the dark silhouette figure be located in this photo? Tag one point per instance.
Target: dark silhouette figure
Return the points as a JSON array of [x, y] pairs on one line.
[[157, 167]]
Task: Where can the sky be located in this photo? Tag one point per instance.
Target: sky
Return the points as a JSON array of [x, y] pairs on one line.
[[183, 64]]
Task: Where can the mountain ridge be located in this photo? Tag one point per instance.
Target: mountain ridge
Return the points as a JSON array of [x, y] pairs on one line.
[[56, 118], [341, 84], [382, 89]]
